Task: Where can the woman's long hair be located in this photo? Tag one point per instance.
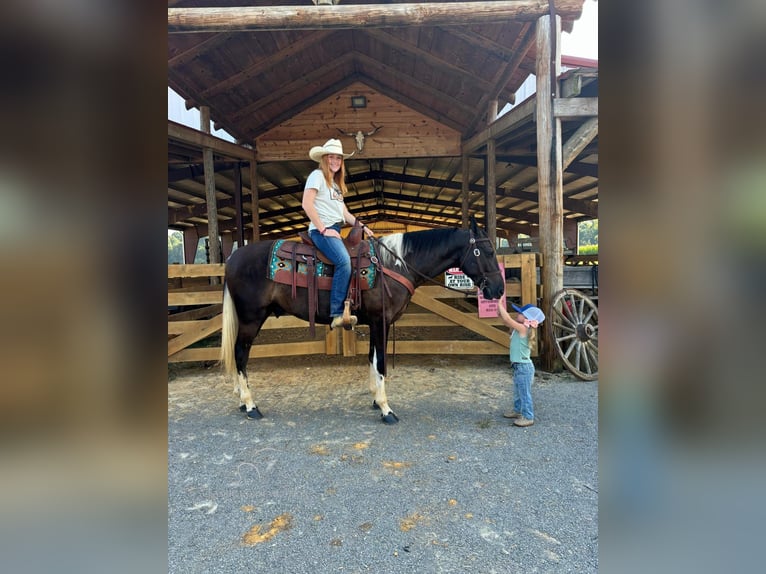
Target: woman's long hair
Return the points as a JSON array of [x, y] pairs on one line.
[[340, 175]]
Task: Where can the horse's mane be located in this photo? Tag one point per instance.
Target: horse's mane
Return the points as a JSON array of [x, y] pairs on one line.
[[432, 242]]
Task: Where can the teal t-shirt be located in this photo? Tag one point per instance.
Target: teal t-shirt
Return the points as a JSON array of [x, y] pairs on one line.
[[519, 348]]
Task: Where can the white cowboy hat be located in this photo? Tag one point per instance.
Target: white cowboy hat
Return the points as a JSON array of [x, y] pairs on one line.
[[330, 146]]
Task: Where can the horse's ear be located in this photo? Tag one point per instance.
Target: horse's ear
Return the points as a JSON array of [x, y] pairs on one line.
[[474, 225]]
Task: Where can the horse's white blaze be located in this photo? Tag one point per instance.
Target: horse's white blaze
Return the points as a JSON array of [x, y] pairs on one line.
[[244, 392], [378, 386]]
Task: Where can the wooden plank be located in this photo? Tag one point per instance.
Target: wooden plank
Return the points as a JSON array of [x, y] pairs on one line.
[[349, 343], [577, 142], [196, 298], [528, 279], [198, 331], [439, 348], [256, 351], [196, 270], [461, 319], [195, 314], [506, 123], [572, 108], [187, 135], [185, 20]]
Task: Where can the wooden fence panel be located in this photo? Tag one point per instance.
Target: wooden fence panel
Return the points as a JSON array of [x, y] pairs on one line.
[[428, 309]]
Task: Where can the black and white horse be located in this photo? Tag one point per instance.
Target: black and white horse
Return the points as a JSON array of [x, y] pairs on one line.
[[250, 297]]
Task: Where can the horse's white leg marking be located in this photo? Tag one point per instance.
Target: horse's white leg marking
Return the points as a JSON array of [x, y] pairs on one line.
[[244, 392], [378, 386]]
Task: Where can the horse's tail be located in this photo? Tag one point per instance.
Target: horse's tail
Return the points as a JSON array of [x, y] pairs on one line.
[[229, 334]]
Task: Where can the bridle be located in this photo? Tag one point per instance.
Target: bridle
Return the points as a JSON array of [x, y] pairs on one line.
[[474, 248]]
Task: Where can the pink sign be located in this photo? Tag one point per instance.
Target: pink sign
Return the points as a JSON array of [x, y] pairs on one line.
[[487, 307]]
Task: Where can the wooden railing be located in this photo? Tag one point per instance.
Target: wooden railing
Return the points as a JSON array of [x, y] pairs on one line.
[[195, 302]]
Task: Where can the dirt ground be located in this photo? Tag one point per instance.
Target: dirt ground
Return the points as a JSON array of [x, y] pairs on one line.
[[320, 484], [456, 376]]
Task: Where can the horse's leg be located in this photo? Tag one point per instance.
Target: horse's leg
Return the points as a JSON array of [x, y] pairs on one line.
[[241, 355], [377, 358]]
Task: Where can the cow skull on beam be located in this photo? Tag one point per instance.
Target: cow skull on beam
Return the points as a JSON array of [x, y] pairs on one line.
[[360, 135]]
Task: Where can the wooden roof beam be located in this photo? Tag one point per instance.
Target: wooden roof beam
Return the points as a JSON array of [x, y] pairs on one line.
[[297, 85], [368, 63], [503, 76], [201, 139], [268, 63], [396, 43], [272, 18]]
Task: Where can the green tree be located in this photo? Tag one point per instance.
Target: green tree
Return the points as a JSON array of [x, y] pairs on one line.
[[587, 233], [175, 247]]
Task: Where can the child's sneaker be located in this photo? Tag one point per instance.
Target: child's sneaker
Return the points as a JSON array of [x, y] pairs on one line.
[[522, 422], [512, 414]]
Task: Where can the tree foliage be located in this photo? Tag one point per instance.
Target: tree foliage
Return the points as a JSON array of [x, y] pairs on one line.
[[587, 233], [176, 249]]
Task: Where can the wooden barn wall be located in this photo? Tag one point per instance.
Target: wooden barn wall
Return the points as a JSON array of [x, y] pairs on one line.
[[403, 133]]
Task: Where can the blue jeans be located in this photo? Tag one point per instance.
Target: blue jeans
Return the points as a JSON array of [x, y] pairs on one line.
[[523, 373], [336, 252]]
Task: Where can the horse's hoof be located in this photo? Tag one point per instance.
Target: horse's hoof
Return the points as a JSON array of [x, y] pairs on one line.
[[375, 405], [390, 418], [255, 414]]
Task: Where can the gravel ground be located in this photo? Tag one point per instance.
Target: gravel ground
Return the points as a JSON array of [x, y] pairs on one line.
[[321, 485]]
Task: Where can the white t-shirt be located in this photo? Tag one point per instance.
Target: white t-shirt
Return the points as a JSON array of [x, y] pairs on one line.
[[328, 201]]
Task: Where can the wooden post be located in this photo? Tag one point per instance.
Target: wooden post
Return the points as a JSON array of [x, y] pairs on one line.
[[490, 197], [464, 188], [212, 208], [549, 177], [254, 197], [191, 241], [238, 205]]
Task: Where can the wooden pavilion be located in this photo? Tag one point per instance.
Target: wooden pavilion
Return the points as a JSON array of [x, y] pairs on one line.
[[415, 88]]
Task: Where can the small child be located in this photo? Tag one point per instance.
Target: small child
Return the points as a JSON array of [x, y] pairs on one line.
[[529, 317]]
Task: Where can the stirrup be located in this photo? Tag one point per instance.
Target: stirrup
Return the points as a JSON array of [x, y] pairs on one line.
[[346, 322]]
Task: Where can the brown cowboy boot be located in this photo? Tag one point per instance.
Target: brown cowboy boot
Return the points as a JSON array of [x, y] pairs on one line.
[[347, 319]]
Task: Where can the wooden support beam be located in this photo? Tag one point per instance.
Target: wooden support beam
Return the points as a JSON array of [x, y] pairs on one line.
[[212, 208], [185, 20], [464, 189], [578, 141], [505, 124], [549, 174], [187, 135], [240, 233], [254, 196], [490, 190], [571, 108]]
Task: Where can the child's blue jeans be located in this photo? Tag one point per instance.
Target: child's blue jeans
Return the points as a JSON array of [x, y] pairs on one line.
[[523, 373]]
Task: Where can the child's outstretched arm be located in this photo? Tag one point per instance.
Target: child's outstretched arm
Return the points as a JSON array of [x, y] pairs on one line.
[[511, 322]]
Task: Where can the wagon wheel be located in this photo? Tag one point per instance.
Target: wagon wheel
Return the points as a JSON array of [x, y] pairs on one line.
[[574, 330]]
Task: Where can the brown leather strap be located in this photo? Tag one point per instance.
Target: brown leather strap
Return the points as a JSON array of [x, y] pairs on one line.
[[312, 291], [400, 278], [294, 260]]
